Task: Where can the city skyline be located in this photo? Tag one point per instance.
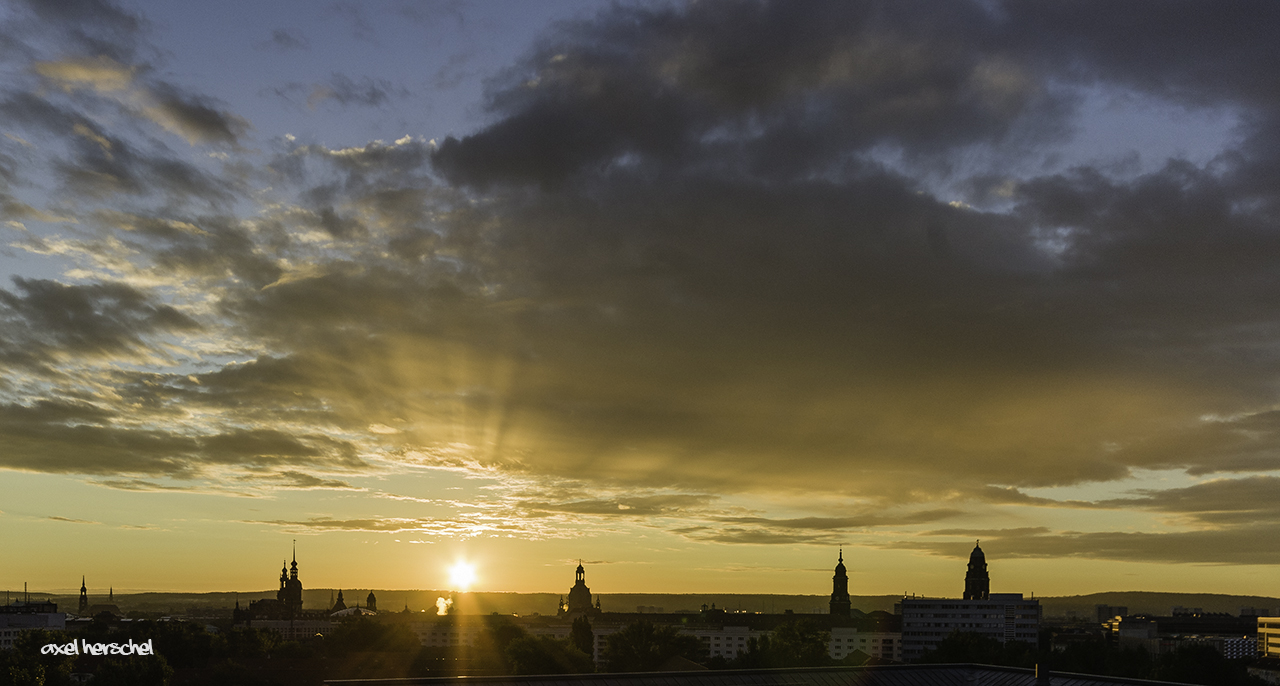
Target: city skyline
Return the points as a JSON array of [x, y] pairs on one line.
[[696, 292]]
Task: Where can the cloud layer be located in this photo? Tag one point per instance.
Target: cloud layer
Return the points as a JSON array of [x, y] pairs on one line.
[[818, 253]]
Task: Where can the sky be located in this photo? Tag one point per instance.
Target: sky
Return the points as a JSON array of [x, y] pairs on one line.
[[695, 292]]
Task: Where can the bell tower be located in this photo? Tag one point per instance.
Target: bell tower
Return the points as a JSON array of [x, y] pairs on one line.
[[840, 604], [977, 583], [84, 598]]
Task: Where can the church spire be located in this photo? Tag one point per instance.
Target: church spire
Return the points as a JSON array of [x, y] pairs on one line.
[[841, 605], [84, 597]]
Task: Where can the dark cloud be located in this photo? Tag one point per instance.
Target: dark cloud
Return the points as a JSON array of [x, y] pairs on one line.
[[1254, 545], [353, 15], [1236, 444], [141, 485], [86, 12], [195, 118], [268, 446], [386, 525], [837, 523], [737, 535], [72, 521], [812, 530], [462, 527], [429, 14], [1221, 502], [645, 506], [90, 27], [343, 90], [45, 319], [70, 438], [1186, 53], [78, 448], [771, 88], [286, 39], [104, 165], [308, 481]]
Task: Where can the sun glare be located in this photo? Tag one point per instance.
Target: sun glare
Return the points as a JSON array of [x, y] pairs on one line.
[[462, 575]]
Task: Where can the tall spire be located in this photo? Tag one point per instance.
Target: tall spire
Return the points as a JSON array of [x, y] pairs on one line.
[[84, 597], [841, 605]]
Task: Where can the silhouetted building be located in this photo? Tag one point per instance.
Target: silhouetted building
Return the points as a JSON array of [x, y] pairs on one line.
[[1106, 613], [977, 584], [90, 610], [290, 593], [1002, 616], [25, 615], [371, 602], [284, 614], [339, 605], [878, 634], [84, 598], [880, 675], [580, 596], [1234, 637], [840, 604]]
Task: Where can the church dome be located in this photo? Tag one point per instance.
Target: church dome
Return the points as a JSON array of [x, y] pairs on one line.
[[977, 556]]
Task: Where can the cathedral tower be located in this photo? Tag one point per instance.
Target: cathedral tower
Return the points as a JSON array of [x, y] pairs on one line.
[[977, 583], [840, 604], [290, 593], [580, 595]]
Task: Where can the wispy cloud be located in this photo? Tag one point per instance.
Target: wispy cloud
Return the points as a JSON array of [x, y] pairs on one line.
[[70, 520]]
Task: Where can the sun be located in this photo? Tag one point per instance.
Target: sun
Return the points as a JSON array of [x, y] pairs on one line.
[[462, 575]]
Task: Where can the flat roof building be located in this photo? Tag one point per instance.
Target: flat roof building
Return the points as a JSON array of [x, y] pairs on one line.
[[1002, 616]]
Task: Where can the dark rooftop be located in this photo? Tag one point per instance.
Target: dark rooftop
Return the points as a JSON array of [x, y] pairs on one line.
[[887, 675]]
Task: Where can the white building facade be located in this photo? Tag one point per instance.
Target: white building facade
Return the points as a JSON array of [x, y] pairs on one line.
[[1002, 616], [21, 617]]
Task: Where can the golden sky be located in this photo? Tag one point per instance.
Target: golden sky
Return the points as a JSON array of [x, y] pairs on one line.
[[697, 292]]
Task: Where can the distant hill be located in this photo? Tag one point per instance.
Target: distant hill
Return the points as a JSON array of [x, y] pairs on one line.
[[1149, 602], [545, 603]]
